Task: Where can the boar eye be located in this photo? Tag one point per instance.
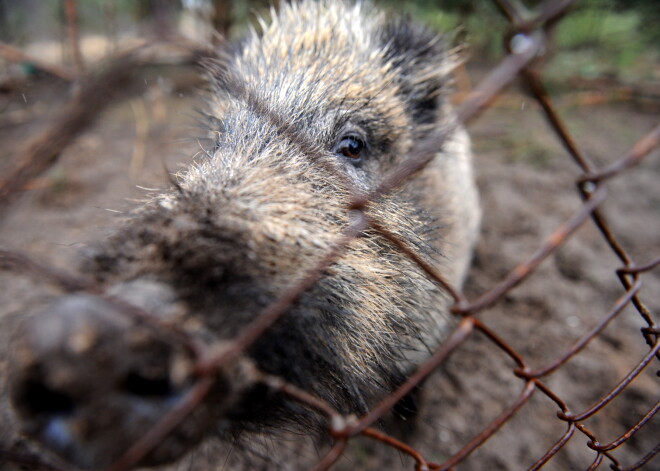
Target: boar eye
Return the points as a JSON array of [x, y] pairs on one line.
[[351, 146]]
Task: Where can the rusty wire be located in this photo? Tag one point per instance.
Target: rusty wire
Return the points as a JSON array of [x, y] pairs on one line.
[[591, 186]]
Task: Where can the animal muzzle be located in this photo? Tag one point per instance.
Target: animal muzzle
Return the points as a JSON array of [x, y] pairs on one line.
[[89, 379]]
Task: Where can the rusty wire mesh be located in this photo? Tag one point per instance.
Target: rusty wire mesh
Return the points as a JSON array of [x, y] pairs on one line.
[[529, 35]]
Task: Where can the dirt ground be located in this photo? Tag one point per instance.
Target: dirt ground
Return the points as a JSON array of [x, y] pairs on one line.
[[526, 183]]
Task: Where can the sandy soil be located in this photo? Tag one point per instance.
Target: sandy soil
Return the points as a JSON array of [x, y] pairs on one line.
[[526, 182]]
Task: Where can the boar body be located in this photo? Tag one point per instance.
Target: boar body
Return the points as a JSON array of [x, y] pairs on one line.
[[320, 107]]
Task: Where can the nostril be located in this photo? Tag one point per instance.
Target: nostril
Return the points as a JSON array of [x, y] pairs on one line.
[[42, 400], [139, 385]]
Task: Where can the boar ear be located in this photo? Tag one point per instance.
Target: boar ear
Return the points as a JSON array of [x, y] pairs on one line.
[[424, 64]]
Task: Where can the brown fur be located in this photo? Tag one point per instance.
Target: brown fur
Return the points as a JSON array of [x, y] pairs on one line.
[[248, 221]]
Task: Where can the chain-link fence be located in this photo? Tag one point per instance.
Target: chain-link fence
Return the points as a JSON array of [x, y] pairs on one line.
[[528, 35]]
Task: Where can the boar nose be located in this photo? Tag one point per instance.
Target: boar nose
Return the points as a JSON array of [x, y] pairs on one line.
[[85, 376]]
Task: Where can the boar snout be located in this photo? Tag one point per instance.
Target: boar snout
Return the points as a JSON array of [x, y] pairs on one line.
[[89, 380]]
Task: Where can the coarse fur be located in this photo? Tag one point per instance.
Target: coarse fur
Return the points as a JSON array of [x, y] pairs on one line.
[[269, 201]]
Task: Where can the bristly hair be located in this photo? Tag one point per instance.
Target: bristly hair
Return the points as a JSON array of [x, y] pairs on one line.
[[425, 62]]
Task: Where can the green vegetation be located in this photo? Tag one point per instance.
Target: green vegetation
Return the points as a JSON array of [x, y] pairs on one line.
[[595, 42], [599, 38], [611, 38]]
